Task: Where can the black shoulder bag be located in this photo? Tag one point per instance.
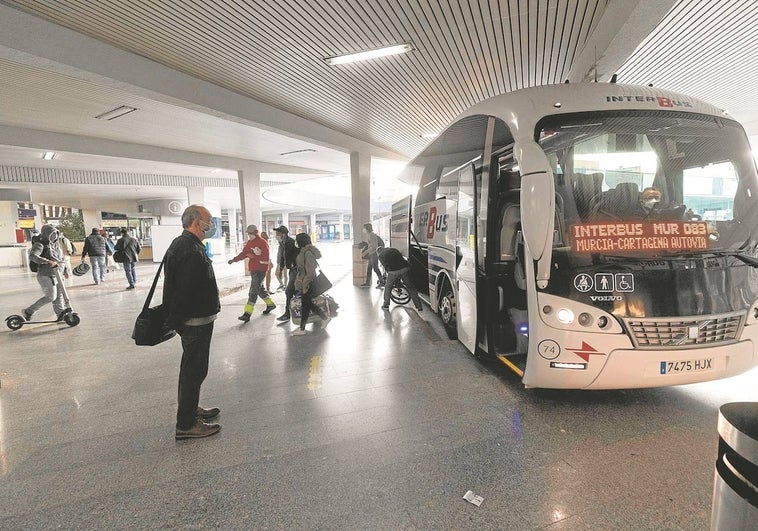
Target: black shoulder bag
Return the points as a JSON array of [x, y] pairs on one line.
[[320, 284], [150, 328]]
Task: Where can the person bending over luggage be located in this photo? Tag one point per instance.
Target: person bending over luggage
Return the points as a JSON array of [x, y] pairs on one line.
[[397, 267], [306, 272], [46, 253]]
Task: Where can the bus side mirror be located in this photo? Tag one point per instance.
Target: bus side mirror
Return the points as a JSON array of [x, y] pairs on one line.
[[537, 206]]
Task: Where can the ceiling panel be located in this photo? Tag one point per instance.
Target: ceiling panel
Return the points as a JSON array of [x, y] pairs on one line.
[[707, 49], [272, 51]]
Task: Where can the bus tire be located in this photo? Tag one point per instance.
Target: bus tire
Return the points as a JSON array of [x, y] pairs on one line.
[[446, 309]]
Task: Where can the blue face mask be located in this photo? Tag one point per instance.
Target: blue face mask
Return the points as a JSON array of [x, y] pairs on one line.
[[210, 230]]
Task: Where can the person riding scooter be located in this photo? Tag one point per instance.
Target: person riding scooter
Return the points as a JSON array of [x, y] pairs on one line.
[[46, 253]]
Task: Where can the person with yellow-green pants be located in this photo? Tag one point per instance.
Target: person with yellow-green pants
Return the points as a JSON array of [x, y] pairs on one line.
[[257, 252]]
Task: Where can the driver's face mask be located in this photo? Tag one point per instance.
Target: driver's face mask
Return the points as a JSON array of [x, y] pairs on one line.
[[648, 203]]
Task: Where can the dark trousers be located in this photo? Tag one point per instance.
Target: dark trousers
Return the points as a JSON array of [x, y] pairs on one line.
[[289, 291], [306, 310], [196, 343], [373, 264]]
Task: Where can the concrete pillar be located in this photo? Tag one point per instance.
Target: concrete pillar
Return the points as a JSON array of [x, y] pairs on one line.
[[232, 215], [196, 196], [341, 228], [8, 222], [92, 219], [312, 229], [360, 186], [250, 195], [286, 219]]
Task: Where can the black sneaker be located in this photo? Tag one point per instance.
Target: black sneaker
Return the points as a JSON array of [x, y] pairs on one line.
[[269, 309], [245, 317], [27, 315], [283, 317]]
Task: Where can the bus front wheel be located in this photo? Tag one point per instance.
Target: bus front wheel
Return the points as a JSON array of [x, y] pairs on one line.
[[447, 311]]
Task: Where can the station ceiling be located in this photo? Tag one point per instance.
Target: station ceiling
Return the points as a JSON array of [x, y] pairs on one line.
[[216, 82]]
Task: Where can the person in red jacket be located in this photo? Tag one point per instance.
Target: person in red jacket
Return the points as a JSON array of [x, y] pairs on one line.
[[256, 251]]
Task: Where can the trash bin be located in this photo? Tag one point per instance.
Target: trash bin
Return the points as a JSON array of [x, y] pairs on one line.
[[735, 488]]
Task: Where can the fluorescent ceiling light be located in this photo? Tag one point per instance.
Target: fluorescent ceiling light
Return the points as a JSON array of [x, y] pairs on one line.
[[118, 112], [48, 155], [217, 170], [429, 135], [369, 54], [297, 151]]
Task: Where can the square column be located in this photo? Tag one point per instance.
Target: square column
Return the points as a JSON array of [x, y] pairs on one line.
[[250, 195], [360, 185]]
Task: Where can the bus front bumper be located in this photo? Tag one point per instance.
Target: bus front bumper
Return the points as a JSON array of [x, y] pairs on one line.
[[626, 369]]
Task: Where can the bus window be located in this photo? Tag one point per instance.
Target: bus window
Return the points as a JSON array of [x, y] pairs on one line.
[[709, 191]]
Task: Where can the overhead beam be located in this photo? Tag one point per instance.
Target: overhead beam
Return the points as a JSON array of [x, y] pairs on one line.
[[47, 140], [623, 26], [31, 40]]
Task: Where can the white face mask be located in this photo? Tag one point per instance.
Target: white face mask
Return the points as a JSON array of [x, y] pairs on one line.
[[649, 203]]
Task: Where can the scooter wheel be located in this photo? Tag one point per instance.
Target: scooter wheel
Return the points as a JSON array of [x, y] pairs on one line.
[[72, 319], [15, 322]]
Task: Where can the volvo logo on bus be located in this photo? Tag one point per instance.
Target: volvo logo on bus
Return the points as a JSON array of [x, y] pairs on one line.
[[433, 222]]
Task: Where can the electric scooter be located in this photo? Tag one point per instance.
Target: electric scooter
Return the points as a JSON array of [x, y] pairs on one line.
[[67, 316]]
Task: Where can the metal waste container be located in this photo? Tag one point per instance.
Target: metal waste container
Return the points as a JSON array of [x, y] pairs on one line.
[[735, 488]]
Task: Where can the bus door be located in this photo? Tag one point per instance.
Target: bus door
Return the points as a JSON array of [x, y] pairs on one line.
[[466, 255]]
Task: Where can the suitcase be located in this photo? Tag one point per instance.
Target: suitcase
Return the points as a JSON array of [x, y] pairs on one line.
[[325, 302]]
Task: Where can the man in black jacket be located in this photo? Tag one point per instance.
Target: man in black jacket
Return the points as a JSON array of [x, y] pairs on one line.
[[130, 248], [286, 260], [96, 247], [191, 301]]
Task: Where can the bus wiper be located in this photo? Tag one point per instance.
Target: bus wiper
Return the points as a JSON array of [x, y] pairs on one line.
[[749, 260]]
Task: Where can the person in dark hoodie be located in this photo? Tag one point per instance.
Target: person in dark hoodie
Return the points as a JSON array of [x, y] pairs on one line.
[[307, 262], [46, 253], [286, 261]]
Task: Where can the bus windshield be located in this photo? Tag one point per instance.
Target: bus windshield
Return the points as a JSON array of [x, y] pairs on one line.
[[651, 184]]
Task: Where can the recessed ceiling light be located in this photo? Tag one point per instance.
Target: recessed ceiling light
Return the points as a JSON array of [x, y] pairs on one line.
[[368, 54], [118, 112], [48, 155], [217, 170]]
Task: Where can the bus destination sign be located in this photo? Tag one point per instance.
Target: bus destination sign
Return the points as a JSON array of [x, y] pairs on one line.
[[625, 237]]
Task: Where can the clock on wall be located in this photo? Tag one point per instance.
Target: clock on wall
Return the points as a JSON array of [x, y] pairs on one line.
[[175, 207]]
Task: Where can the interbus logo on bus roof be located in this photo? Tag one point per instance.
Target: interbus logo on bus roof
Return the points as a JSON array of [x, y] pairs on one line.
[[660, 100]]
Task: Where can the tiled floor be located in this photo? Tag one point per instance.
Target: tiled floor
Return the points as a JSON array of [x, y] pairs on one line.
[[376, 423]]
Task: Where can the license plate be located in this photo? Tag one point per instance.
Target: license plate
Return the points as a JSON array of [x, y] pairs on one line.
[[671, 367]]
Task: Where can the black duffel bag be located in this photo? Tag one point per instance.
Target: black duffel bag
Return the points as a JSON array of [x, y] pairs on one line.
[[150, 327]]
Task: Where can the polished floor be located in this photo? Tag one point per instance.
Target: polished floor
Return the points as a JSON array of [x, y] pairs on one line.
[[376, 423]]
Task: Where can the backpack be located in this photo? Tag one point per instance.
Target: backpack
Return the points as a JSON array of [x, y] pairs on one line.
[[34, 266], [379, 242]]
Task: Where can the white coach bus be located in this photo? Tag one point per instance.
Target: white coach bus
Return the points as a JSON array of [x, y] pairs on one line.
[[590, 236]]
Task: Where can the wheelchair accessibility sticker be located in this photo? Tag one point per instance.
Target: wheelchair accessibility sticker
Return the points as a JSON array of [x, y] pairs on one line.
[[604, 282]]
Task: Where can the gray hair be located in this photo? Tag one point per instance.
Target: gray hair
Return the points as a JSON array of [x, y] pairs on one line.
[[190, 214]]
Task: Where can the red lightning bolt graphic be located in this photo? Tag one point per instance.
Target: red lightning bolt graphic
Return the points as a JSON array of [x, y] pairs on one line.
[[586, 351]]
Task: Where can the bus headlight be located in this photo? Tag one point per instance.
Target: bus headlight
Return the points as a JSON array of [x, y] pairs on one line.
[[565, 316]]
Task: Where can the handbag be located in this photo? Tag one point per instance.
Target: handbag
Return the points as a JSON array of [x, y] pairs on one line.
[[150, 327], [320, 284], [119, 256]]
